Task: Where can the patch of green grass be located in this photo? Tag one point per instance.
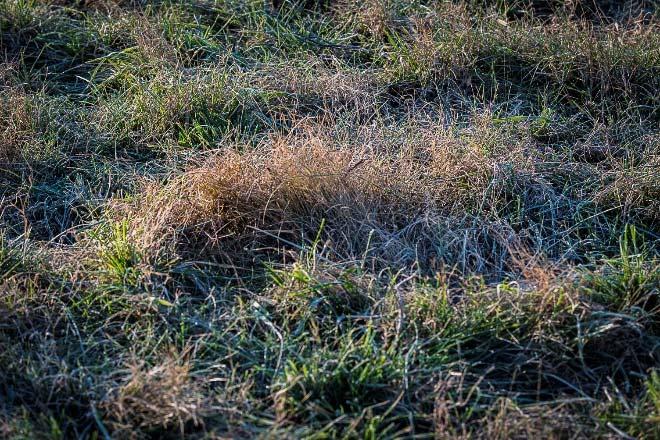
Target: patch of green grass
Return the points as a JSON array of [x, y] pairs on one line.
[[118, 256], [639, 416], [359, 376], [11, 260], [629, 281]]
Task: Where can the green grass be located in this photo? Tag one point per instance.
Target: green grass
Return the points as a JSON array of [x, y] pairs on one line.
[[329, 219]]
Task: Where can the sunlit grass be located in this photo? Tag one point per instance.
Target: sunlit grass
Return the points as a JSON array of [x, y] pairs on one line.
[[315, 219]]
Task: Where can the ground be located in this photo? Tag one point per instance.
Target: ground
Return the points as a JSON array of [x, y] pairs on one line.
[[329, 219]]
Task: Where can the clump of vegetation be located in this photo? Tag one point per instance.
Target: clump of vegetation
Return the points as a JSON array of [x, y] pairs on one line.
[[340, 219]]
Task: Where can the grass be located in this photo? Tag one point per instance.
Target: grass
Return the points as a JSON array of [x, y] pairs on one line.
[[320, 219]]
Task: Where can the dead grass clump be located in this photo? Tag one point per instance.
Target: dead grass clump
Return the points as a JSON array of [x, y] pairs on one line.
[[282, 189], [17, 120], [635, 189], [435, 199], [371, 18], [163, 396]]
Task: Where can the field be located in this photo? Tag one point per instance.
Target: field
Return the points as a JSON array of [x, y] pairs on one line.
[[329, 219]]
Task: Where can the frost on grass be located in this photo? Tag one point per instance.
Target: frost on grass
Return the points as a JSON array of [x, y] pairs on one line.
[[329, 219]]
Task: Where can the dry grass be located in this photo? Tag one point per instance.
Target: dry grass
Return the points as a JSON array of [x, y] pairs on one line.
[[163, 396], [17, 118], [379, 219], [392, 203]]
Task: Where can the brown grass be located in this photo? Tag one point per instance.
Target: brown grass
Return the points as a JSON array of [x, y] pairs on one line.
[[329, 219], [159, 396], [404, 200], [17, 118]]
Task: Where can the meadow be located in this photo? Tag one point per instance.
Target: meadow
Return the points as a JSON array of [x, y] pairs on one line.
[[329, 219]]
